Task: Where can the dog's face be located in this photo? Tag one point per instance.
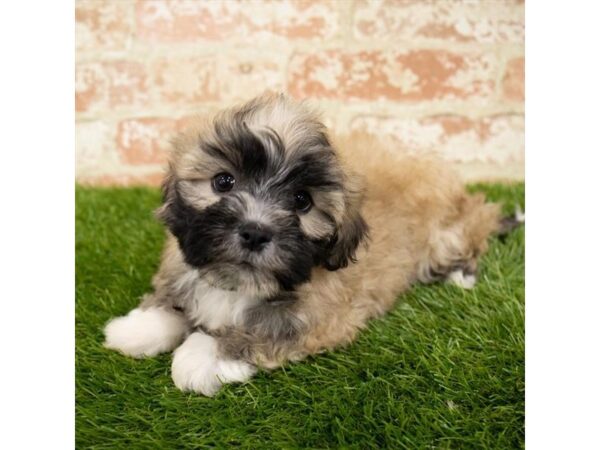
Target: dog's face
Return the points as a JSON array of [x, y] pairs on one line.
[[258, 198]]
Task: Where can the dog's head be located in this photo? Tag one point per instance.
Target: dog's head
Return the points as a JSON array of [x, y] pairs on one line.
[[257, 198]]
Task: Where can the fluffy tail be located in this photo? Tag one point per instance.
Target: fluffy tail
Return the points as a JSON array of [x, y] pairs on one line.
[[510, 223]]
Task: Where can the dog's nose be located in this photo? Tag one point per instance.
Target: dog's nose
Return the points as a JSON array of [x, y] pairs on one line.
[[255, 237]]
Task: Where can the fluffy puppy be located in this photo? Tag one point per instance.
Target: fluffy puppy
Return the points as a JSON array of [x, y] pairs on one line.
[[282, 243]]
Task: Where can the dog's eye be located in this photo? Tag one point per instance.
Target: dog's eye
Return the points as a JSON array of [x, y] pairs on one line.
[[223, 182], [302, 201]]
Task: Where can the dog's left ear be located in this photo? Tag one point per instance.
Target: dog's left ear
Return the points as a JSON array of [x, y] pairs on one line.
[[351, 231]]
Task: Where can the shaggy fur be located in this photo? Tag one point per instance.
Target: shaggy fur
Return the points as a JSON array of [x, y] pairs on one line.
[[380, 220]]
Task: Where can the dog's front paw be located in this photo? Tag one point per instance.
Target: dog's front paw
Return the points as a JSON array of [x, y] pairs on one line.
[[198, 368], [145, 332]]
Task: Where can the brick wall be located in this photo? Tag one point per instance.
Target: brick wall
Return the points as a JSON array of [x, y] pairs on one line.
[[444, 75]]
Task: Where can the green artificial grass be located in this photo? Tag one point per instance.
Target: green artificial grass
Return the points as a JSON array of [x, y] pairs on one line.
[[444, 369]]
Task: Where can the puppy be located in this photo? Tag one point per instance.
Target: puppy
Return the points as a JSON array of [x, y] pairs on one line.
[[283, 243]]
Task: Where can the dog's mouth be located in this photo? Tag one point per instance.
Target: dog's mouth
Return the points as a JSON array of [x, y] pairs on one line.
[[247, 265], [257, 260], [244, 262]]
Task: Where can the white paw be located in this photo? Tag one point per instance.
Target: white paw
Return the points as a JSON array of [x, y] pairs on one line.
[[519, 214], [197, 367], [459, 278], [145, 332]]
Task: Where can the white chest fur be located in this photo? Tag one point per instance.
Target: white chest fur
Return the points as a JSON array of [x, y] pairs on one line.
[[214, 308]]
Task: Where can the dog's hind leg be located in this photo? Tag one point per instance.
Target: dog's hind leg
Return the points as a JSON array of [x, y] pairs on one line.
[[456, 242], [460, 271]]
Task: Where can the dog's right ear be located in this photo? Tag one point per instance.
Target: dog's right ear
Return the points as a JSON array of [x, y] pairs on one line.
[[164, 212]]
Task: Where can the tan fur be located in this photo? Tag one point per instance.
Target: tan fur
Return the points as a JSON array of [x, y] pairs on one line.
[[419, 215]]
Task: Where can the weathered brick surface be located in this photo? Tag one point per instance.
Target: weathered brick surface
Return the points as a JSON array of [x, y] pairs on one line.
[[153, 178], [485, 21], [245, 74], [513, 82], [498, 138], [103, 24], [185, 80], [188, 21], [433, 75], [146, 140], [415, 75], [111, 86], [94, 148]]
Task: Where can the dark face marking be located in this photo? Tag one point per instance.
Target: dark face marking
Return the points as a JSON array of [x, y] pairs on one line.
[[244, 150], [194, 229], [211, 239], [313, 170]]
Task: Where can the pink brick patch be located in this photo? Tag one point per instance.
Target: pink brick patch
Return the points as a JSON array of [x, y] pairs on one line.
[[397, 76], [147, 140], [487, 21], [95, 146], [513, 83], [244, 75], [185, 80], [187, 21], [103, 24], [458, 138], [110, 85]]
